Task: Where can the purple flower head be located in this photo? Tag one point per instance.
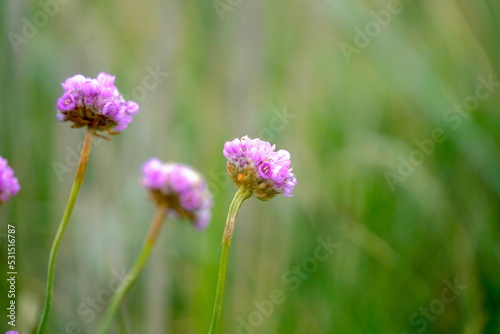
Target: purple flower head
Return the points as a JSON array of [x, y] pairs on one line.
[[181, 188], [9, 186], [96, 103], [253, 163]]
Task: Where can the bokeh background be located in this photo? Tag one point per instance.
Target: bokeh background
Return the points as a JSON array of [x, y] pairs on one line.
[[349, 92]]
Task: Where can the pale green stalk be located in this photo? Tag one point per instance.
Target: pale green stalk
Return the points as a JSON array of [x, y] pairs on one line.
[[136, 269], [77, 183], [241, 195]]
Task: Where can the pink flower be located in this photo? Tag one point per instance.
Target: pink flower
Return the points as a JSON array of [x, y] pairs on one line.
[[255, 164], [181, 188], [9, 186], [96, 103]]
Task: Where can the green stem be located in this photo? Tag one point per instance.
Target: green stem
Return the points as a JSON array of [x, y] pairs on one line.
[[136, 269], [241, 195], [80, 175]]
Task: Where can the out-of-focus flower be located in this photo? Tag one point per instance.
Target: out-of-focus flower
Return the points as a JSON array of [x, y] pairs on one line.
[[9, 186], [254, 164], [96, 103], [181, 188]]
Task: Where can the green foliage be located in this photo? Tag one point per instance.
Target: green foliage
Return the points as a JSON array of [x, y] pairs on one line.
[[355, 120]]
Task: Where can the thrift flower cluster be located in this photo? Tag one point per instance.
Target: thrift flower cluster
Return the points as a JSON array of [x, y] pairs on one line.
[[96, 103], [9, 186], [253, 163], [181, 188]]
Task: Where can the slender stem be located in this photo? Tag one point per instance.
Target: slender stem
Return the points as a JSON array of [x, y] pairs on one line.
[[241, 195], [80, 175], [136, 269]]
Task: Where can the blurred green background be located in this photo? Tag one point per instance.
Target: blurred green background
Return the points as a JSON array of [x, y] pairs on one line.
[[355, 90]]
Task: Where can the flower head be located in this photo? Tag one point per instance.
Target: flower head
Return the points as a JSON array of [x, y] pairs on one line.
[[9, 186], [253, 163], [181, 188], [96, 103]]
